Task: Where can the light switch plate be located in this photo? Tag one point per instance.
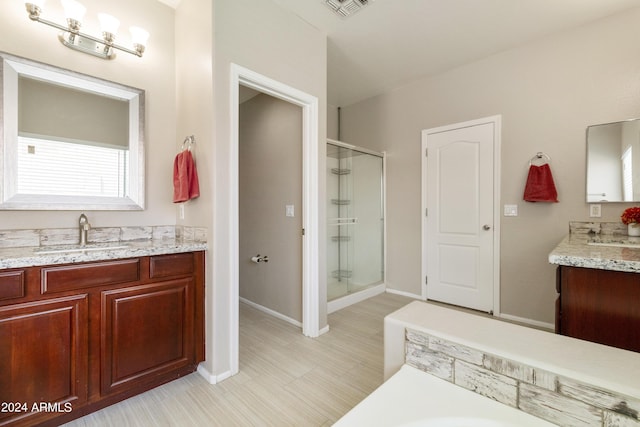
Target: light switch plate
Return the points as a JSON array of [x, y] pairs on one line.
[[290, 210], [510, 210], [595, 210]]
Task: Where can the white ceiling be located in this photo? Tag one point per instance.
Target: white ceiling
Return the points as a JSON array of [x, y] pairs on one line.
[[390, 43]]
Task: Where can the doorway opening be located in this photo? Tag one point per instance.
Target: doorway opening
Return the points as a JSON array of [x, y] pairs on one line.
[[270, 204], [310, 201]]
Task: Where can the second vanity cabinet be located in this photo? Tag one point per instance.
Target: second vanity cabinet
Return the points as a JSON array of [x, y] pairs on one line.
[[597, 305], [79, 337]]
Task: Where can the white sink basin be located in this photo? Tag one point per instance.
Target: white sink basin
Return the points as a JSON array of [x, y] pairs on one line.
[[77, 248]]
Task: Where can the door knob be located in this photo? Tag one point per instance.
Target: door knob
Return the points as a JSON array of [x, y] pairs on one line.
[[486, 227]]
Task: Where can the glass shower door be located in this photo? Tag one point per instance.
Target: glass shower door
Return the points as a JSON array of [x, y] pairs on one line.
[[355, 228]]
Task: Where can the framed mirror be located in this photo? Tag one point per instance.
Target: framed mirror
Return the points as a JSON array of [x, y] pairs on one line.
[[613, 162], [68, 141]]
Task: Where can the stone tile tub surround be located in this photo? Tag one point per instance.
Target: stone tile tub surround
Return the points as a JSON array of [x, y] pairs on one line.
[[69, 236], [566, 381]]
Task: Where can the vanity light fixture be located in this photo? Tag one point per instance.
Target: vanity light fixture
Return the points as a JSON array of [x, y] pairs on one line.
[[74, 39]]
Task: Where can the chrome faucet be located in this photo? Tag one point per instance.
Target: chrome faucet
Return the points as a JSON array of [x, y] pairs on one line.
[[84, 228]]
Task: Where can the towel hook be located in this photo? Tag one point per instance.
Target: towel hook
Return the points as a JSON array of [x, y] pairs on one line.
[[189, 141], [540, 155]]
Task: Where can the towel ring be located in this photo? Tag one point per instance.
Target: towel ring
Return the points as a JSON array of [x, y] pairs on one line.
[[539, 156], [188, 141]]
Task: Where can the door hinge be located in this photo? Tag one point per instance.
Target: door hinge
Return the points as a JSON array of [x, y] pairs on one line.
[[426, 152], [426, 280], [426, 212], [303, 231]]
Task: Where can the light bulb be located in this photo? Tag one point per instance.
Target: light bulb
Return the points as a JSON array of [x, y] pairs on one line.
[[73, 10], [108, 23], [139, 36], [39, 3], [34, 7]]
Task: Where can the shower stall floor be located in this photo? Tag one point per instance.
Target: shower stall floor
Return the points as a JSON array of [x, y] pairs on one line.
[[338, 289]]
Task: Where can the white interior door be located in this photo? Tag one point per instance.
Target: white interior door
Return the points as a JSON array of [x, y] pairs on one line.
[[459, 232]]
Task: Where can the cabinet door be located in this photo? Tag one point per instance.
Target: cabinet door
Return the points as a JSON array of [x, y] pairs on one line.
[[43, 359], [147, 333], [601, 306]]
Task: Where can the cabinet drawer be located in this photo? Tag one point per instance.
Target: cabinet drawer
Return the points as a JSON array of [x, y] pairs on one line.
[[70, 277], [11, 284], [171, 265]]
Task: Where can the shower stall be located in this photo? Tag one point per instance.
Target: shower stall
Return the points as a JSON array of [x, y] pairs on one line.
[[355, 213]]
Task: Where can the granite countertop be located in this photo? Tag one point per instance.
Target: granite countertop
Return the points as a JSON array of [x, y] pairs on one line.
[[18, 257], [598, 251]]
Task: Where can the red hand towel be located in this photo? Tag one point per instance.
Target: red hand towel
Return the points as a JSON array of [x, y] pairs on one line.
[[540, 186], [192, 174], [185, 178]]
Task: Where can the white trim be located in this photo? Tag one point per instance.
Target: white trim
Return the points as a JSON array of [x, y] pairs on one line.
[[346, 301], [423, 217], [404, 294], [209, 377], [384, 216], [536, 323], [310, 195], [497, 169], [271, 312], [497, 126]]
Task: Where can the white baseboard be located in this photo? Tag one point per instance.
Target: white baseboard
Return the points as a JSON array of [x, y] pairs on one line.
[[526, 321], [405, 294], [271, 312], [209, 377], [346, 301]]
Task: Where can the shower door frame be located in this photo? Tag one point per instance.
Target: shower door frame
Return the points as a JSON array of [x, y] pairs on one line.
[[347, 300]]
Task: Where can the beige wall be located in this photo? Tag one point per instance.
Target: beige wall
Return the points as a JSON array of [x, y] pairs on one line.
[[547, 92], [270, 157], [332, 122], [195, 116], [155, 73]]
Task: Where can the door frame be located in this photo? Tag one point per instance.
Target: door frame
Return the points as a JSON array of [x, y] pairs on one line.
[[497, 125], [310, 200]]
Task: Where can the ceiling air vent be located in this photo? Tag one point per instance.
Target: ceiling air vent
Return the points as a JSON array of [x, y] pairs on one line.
[[346, 8]]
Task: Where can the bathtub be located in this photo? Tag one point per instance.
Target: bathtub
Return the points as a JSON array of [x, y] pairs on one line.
[[412, 398]]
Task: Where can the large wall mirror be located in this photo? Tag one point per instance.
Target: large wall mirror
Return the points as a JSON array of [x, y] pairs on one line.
[[68, 141], [613, 162]]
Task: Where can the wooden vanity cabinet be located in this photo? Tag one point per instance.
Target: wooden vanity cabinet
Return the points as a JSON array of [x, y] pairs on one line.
[[43, 358], [601, 306], [80, 337]]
